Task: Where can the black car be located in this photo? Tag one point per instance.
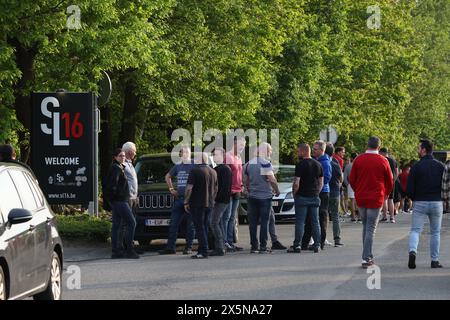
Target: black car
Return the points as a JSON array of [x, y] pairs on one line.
[[155, 200], [31, 251]]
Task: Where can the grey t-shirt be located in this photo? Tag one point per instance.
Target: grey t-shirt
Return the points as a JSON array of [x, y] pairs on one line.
[[257, 171]]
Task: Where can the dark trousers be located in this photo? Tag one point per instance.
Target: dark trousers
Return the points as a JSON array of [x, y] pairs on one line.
[[200, 216], [123, 224], [323, 220], [122, 212]]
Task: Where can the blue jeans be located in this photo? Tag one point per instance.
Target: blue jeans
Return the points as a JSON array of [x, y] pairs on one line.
[[306, 206], [201, 222], [421, 210], [176, 217], [122, 211], [259, 210], [228, 220]]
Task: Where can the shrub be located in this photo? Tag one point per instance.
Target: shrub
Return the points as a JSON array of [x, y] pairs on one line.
[[83, 227]]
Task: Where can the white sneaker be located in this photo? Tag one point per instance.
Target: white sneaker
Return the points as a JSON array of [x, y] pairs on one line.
[[328, 243]]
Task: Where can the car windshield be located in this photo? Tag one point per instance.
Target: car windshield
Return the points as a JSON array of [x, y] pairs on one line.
[[153, 170], [285, 174]]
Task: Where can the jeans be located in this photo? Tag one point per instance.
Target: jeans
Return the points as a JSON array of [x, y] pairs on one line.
[[334, 212], [272, 233], [306, 207], [123, 225], [201, 219], [433, 211], [228, 220], [176, 217], [323, 220], [259, 210], [369, 219], [121, 211], [215, 224]]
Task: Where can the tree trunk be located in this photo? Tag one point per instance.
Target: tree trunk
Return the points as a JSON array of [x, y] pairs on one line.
[[25, 62], [130, 121]]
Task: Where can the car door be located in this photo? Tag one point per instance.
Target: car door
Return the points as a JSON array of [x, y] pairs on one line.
[[38, 227], [44, 240], [17, 238]]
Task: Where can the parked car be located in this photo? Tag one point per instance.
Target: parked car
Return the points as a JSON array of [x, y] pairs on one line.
[[31, 251], [283, 205], [155, 200]]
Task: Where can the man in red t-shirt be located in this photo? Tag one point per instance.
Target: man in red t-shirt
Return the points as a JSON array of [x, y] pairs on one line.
[[405, 202], [372, 181], [234, 161]]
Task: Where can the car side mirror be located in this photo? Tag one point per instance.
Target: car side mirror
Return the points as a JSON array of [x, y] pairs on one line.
[[16, 216]]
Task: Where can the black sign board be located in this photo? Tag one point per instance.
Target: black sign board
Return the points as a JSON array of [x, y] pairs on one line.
[[62, 146]]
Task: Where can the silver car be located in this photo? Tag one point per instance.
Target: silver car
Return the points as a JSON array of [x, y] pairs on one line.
[[31, 251], [283, 205]]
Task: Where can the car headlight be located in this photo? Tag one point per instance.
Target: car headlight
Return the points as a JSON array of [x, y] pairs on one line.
[[289, 196]]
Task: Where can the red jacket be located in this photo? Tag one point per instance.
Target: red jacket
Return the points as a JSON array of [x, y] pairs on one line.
[[340, 160], [371, 179]]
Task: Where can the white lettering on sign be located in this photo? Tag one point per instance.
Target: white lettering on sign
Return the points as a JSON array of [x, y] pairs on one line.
[[62, 161], [55, 115]]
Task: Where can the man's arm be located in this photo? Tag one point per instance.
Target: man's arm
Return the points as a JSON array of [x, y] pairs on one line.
[[172, 190], [320, 183], [295, 185], [187, 197], [273, 182]]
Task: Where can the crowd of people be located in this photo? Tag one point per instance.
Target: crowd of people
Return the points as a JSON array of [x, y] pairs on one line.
[[368, 187]]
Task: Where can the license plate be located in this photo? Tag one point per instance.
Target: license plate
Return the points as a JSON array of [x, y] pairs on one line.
[[275, 203], [157, 222]]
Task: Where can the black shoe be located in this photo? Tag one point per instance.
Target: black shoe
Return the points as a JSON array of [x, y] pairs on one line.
[[293, 249], [278, 246], [264, 250], [412, 260], [436, 264], [167, 251], [219, 252], [117, 255], [236, 248], [131, 255], [139, 250], [199, 256], [316, 249], [322, 246], [338, 244], [311, 248]]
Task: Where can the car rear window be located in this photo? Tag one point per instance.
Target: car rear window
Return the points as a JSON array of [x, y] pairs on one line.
[[9, 198]]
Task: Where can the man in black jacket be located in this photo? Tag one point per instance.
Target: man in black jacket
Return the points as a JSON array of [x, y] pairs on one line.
[[424, 189], [222, 200]]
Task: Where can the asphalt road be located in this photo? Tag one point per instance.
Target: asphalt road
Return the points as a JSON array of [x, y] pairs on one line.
[[334, 273]]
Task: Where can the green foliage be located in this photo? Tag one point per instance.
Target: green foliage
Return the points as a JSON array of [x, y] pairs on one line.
[[83, 227], [298, 66]]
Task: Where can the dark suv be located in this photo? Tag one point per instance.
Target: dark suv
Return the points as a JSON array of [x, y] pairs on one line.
[[31, 252], [155, 200]]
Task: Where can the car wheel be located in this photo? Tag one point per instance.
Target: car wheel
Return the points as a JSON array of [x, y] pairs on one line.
[[53, 290], [2, 285]]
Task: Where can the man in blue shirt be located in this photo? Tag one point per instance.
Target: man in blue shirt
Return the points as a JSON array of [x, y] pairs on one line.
[[318, 153], [181, 171]]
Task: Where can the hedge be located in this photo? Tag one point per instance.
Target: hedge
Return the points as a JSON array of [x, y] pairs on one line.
[[83, 227]]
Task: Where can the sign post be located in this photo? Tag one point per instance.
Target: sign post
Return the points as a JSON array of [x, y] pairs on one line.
[[64, 147]]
